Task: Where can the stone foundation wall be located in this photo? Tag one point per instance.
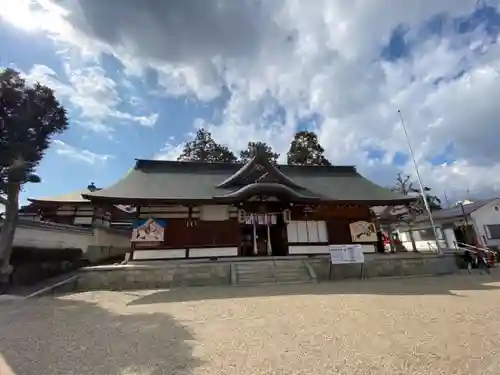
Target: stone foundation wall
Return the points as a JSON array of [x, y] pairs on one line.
[[178, 274], [151, 277], [377, 265]]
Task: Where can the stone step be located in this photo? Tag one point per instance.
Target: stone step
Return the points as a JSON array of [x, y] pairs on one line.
[[257, 281], [255, 275], [255, 272], [263, 273], [292, 277], [288, 270]]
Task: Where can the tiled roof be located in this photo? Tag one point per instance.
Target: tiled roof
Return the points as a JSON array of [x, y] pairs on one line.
[[184, 181], [449, 213]]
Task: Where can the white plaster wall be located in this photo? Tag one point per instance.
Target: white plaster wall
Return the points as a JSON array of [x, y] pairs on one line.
[[486, 215], [308, 249], [323, 249], [101, 243], [159, 254], [449, 234], [423, 245], [50, 238], [213, 252], [214, 213], [111, 237]]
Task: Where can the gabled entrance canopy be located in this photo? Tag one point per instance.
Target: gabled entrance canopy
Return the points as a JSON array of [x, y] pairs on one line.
[[267, 188], [259, 177], [258, 170]]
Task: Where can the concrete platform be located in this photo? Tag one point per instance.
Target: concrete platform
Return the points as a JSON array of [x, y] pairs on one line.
[[182, 273]]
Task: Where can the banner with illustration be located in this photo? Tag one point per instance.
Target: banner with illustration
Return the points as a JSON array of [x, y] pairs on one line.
[[148, 230], [363, 231]]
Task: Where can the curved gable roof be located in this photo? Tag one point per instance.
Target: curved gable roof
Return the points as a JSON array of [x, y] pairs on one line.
[[264, 168]]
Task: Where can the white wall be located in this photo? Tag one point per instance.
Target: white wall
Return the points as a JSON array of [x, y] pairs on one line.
[[421, 245], [97, 244], [486, 215], [58, 237], [111, 237], [451, 240]]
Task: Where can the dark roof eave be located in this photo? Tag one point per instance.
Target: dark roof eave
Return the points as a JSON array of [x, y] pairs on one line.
[[49, 202], [190, 201]]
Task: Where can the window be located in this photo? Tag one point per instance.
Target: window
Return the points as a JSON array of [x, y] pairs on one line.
[[404, 236], [307, 232], [493, 231], [425, 235]]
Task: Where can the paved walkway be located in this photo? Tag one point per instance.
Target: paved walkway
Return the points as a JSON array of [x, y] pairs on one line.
[[430, 326]]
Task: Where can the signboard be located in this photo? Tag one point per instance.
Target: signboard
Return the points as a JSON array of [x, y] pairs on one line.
[[363, 231], [346, 254], [149, 230]]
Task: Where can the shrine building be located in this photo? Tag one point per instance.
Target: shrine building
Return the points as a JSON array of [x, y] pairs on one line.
[[187, 209], [73, 209]]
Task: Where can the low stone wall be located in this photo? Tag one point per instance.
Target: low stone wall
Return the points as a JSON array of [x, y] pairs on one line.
[[180, 273], [388, 265], [163, 275], [95, 254]]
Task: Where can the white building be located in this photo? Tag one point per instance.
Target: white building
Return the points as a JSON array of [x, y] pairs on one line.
[[476, 224]]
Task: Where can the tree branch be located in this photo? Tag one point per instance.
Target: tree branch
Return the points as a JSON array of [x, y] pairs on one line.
[[4, 201]]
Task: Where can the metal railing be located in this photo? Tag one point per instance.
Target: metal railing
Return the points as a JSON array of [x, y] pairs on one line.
[[475, 249]]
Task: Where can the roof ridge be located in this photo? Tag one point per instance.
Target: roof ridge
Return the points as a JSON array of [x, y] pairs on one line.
[[144, 162]]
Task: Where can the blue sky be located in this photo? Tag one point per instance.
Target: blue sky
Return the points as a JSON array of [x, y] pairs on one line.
[[140, 89]]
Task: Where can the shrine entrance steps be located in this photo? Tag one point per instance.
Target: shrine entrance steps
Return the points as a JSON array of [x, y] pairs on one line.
[[272, 272]]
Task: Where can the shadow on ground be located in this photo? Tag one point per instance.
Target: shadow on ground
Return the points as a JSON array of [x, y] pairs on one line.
[[444, 285], [61, 337]]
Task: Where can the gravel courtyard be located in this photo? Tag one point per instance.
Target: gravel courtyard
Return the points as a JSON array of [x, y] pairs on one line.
[[446, 325]]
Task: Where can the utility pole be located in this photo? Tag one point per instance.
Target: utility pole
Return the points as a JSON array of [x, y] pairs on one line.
[[421, 185], [448, 205], [466, 221]]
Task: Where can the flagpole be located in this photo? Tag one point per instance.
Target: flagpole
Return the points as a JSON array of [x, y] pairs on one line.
[[421, 185]]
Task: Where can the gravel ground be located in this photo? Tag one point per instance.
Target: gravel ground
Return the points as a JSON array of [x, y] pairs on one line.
[[447, 325]]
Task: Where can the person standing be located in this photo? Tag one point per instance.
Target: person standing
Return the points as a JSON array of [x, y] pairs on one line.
[[482, 263], [468, 260]]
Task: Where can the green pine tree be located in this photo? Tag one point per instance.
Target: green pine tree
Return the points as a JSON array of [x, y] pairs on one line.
[[306, 150], [247, 154], [203, 148], [29, 116]]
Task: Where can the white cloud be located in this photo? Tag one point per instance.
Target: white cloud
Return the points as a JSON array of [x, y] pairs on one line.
[[91, 92], [171, 151], [83, 155], [283, 61]]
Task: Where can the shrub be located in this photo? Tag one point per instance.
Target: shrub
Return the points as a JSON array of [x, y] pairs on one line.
[[22, 255]]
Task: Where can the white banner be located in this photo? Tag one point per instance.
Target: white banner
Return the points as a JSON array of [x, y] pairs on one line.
[[261, 219], [346, 254]]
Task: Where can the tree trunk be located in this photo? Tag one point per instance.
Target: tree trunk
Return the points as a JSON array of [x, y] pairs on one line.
[[8, 230], [412, 238]]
